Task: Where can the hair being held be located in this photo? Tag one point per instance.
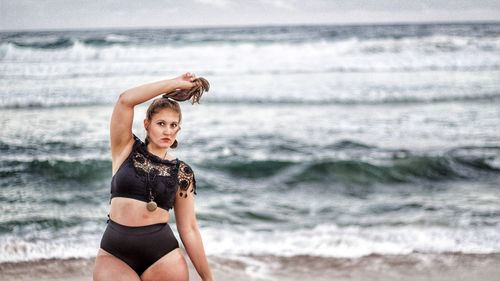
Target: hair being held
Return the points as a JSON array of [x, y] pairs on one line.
[[200, 86]]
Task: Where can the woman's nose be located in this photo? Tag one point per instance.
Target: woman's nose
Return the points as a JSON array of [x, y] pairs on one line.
[[169, 131]]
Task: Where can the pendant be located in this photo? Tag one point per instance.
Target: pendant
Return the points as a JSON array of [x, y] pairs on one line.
[[151, 206]]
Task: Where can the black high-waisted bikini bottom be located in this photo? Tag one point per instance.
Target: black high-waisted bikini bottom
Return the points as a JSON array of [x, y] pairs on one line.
[[138, 246]]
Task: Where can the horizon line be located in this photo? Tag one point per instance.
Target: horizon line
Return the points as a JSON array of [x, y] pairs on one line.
[[389, 23]]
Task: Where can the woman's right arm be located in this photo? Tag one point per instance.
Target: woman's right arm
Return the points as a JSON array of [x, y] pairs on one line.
[[123, 112]]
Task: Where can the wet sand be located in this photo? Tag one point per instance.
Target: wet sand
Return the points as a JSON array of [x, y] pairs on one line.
[[410, 267]]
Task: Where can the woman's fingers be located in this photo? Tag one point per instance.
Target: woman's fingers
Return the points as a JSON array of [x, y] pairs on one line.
[[193, 77], [196, 81], [188, 76]]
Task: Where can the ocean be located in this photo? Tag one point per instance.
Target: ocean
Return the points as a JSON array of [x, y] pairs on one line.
[[314, 142]]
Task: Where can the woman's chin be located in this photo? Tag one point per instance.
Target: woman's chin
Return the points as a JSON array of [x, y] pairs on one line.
[[163, 144]]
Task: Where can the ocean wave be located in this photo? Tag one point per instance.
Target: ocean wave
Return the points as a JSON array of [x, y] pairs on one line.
[[380, 99], [53, 103], [86, 170], [39, 223], [48, 147], [262, 34], [411, 169], [330, 241], [69, 100], [352, 53], [400, 168], [108, 40], [78, 244], [57, 43], [461, 163]]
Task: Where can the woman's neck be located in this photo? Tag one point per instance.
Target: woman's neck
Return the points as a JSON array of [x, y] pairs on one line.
[[158, 151]]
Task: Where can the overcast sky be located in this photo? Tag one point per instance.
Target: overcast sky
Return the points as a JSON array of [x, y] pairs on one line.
[[70, 14]]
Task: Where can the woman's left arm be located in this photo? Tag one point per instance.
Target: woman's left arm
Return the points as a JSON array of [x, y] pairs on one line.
[[185, 219]]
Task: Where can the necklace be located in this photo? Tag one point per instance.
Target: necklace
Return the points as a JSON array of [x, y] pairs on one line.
[[151, 205]]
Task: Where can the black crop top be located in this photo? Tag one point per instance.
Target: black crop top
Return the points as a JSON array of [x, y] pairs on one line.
[[143, 170]]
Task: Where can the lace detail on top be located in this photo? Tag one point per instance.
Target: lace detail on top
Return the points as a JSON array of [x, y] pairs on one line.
[[186, 177], [145, 165]]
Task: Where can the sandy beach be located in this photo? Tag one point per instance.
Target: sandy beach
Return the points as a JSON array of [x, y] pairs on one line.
[[411, 267]]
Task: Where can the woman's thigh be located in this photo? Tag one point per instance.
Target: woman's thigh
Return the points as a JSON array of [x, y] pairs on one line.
[[108, 268], [171, 267]]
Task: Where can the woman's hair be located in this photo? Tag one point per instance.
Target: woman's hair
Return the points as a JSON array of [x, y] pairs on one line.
[[158, 105]]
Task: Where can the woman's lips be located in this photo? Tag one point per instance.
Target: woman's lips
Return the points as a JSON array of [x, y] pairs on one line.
[[165, 139]]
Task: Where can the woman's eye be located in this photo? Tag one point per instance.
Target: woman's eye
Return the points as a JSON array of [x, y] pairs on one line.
[[161, 123]]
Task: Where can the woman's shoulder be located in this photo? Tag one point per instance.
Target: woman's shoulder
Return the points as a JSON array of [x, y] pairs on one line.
[[183, 164], [186, 177], [185, 169]]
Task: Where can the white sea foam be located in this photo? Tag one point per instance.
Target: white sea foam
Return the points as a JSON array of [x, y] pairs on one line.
[[14, 249], [351, 70], [326, 240], [332, 241], [117, 38], [380, 54]]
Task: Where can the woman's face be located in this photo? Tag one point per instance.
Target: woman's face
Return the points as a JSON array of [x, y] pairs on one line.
[[163, 128]]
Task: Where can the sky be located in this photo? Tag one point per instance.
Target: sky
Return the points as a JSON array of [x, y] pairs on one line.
[[90, 14]]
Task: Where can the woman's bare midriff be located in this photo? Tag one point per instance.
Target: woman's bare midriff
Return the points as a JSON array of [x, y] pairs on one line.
[[132, 212]]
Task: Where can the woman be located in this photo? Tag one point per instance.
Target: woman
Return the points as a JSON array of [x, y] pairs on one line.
[[147, 181]]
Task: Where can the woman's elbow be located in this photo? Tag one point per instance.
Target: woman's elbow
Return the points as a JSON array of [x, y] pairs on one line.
[[124, 99], [187, 228]]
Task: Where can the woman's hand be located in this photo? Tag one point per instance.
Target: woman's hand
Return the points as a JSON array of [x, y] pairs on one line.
[[187, 86], [185, 81]]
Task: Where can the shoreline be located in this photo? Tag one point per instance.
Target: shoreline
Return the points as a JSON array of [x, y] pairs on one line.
[[413, 267]]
